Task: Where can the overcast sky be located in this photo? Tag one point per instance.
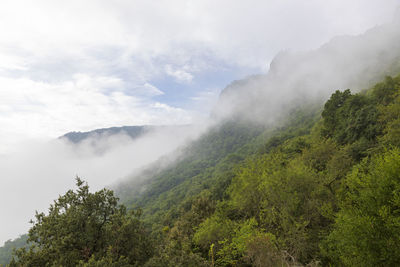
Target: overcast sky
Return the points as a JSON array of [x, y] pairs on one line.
[[79, 65]]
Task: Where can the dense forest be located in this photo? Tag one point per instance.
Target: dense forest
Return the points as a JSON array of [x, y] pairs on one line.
[[320, 189]]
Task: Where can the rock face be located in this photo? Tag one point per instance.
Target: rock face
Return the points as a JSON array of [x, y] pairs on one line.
[[354, 62]]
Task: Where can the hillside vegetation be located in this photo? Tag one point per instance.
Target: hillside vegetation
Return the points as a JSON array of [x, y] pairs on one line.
[[291, 175], [322, 188]]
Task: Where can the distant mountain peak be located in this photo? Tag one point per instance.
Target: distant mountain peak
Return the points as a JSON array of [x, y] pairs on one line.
[[131, 131]]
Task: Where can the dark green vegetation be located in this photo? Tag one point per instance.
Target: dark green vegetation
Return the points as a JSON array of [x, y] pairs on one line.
[[318, 190], [85, 229], [7, 249], [322, 188]]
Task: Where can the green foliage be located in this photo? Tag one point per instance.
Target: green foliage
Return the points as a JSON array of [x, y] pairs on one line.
[[292, 190], [233, 249], [385, 92], [175, 248], [312, 190], [247, 192], [83, 228], [286, 194], [390, 115], [261, 250], [213, 230], [202, 166], [9, 246], [330, 114], [367, 229], [348, 118], [172, 254], [285, 198]]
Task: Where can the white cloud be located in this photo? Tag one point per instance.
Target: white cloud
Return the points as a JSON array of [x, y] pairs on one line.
[[33, 109], [11, 62], [203, 100], [97, 84], [179, 74], [141, 34], [148, 89], [37, 172]]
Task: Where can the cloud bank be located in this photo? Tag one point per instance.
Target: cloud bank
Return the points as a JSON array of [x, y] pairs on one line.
[[37, 172], [299, 77], [79, 65]]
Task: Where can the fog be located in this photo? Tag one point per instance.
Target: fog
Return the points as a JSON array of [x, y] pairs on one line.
[[299, 77], [38, 171]]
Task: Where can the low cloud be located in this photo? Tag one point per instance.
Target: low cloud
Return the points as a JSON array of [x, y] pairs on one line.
[[80, 65], [299, 77], [33, 109], [37, 172]]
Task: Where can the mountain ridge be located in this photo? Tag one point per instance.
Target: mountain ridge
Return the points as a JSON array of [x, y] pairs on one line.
[[133, 132]]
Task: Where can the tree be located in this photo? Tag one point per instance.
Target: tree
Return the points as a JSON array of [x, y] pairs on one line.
[[83, 228], [331, 107], [9, 246], [348, 118], [367, 228]]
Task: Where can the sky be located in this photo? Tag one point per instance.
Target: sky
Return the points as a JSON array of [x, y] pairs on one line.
[[80, 65]]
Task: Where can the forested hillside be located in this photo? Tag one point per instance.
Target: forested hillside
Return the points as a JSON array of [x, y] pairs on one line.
[[318, 191], [321, 189], [285, 178], [7, 250]]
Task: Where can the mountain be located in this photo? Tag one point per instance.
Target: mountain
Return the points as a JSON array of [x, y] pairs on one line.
[[209, 202], [9, 245], [303, 193], [131, 131], [250, 111], [295, 77], [298, 171]]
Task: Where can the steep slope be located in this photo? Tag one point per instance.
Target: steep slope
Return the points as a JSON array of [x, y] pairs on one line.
[[195, 197], [355, 62], [252, 110], [319, 191], [269, 184]]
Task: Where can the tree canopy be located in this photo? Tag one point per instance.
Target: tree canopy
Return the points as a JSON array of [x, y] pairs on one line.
[[84, 228], [321, 189]]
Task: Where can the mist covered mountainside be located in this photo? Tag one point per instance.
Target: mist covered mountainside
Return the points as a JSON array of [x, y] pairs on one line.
[[317, 190], [296, 77], [260, 114], [251, 110], [131, 131], [294, 173]]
